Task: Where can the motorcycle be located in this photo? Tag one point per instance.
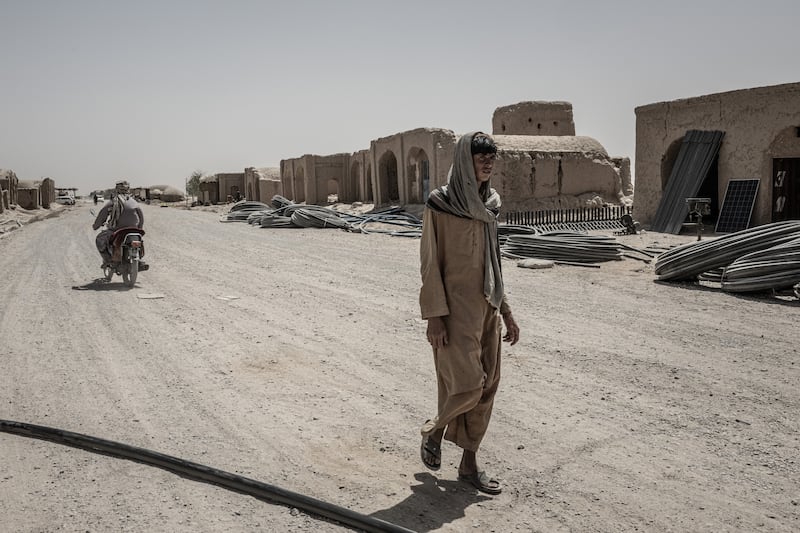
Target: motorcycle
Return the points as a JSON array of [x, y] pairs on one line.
[[127, 251]]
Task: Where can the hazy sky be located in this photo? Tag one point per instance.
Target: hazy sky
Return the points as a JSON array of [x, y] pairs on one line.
[[95, 91]]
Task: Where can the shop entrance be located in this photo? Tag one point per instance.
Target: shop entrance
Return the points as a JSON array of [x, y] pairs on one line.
[[785, 189]]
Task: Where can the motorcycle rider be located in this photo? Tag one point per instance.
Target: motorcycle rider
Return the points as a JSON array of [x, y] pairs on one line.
[[121, 211]]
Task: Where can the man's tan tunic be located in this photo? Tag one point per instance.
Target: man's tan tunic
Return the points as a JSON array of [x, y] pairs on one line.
[[452, 254]]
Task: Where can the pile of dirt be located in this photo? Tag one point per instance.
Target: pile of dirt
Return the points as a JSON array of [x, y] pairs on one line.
[[16, 217]]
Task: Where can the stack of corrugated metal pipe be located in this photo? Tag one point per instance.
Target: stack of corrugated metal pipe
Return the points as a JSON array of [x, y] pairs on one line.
[[562, 246], [757, 259], [282, 213]]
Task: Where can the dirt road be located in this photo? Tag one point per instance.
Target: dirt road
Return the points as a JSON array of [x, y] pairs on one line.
[[297, 358]]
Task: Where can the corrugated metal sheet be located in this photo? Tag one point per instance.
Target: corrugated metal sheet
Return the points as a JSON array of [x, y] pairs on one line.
[[697, 153]]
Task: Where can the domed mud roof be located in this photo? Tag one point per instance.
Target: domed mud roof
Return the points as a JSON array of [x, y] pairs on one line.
[[550, 143]]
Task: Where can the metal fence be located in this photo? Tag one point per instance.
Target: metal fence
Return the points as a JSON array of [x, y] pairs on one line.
[[583, 219]]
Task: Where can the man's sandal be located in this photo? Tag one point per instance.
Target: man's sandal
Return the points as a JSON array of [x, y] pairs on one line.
[[430, 452], [482, 482]]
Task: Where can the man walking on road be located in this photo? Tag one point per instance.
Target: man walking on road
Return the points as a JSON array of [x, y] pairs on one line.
[[463, 300]]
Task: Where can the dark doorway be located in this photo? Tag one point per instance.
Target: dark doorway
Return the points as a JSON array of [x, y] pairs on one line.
[[785, 189], [690, 171], [370, 196], [387, 172], [710, 189]]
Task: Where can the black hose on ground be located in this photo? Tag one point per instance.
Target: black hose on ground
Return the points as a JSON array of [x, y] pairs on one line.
[[205, 474]]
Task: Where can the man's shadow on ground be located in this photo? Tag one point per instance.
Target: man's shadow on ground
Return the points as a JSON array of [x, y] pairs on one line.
[[433, 503], [100, 284]]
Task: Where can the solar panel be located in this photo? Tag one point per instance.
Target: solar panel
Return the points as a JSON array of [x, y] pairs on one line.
[[737, 206]]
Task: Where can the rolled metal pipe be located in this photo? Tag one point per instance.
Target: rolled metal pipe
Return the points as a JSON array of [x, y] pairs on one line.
[[774, 268], [691, 259], [563, 246]]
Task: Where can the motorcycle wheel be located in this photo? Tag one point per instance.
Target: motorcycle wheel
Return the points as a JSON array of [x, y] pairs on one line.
[[130, 277]]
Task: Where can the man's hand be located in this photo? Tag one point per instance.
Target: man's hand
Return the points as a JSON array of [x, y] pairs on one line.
[[437, 332], [512, 330]]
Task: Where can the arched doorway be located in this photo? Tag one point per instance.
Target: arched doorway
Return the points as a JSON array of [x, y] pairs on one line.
[[708, 189], [387, 174], [784, 182], [333, 191], [418, 176]]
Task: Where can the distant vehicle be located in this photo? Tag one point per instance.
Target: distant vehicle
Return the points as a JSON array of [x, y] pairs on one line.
[[100, 198], [65, 200]]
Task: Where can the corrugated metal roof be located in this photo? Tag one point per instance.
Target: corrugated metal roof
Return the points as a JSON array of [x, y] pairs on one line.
[[697, 153]]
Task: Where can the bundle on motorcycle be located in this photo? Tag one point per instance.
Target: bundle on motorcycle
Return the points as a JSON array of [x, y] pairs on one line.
[[127, 250]]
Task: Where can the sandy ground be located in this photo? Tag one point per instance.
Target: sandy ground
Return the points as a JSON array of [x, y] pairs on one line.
[[297, 358]]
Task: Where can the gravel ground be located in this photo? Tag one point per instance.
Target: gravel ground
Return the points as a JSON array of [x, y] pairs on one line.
[[297, 357]]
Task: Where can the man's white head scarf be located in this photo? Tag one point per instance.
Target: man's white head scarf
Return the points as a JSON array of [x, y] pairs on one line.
[[465, 198], [122, 191]]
